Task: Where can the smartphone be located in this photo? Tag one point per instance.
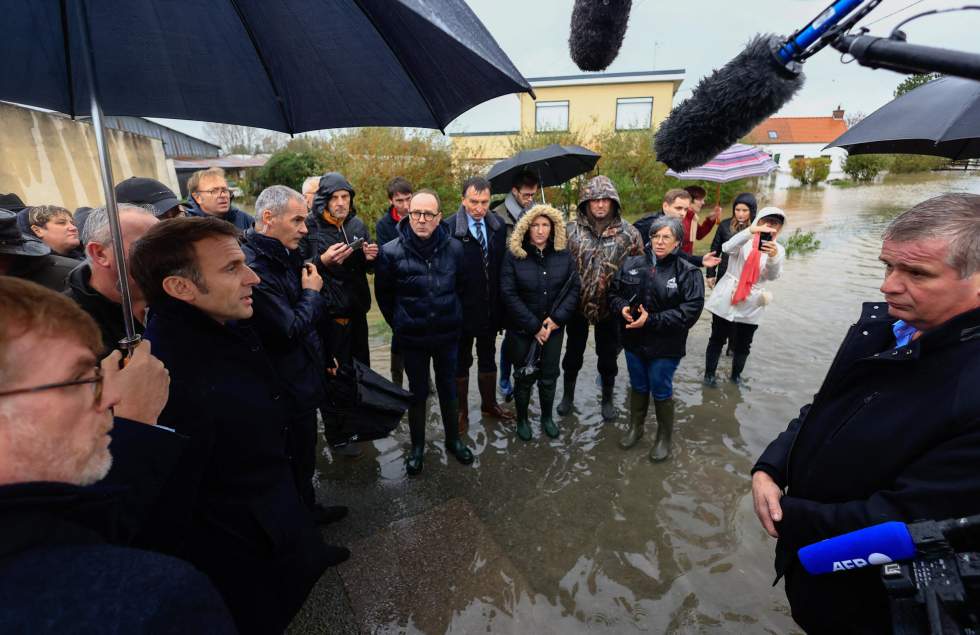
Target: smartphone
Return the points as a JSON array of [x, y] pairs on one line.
[[356, 244], [765, 237]]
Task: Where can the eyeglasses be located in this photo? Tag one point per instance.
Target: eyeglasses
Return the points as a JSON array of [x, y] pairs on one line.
[[216, 191], [96, 381], [420, 215], [662, 239]]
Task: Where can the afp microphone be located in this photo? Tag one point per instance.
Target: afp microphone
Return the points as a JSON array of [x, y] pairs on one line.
[[597, 31], [876, 545]]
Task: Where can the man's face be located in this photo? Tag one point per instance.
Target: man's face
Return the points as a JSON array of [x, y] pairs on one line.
[[133, 226], [401, 201], [697, 204], [677, 209], [525, 194], [600, 208], [476, 204], [423, 215], [213, 196], [289, 227], [62, 434], [227, 280], [309, 193], [921, 288], [339, 204], [59, 233]]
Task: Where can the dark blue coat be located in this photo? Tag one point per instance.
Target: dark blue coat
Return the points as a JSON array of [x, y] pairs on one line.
[[235, 216], [481, 285], [529, 286], [59, 575], [232, 508], [418, 295], [893, 434], [386, 229], [672, 292]]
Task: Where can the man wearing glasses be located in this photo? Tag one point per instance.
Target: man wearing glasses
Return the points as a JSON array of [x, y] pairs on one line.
[[210, 196], [57, 571], [418, 283]]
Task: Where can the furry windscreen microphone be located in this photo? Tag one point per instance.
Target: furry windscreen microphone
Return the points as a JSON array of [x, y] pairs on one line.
[[597, 31], [727, 104]]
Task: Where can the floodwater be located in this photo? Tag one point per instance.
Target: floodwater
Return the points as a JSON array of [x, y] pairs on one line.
[[587, 537]]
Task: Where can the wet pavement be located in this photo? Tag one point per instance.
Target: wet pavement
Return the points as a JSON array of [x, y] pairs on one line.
[[575, 535]]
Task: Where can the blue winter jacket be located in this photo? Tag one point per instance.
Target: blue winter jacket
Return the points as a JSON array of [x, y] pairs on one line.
[[235, 216]]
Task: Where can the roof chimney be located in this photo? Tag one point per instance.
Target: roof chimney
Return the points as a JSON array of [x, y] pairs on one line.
[[839, 113]]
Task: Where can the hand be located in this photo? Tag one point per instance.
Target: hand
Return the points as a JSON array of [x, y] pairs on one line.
[[143, 385], [640, 321], [371, 251], [550, 324], [710, 260], [769, 247], [333, 371], [627, 314], [765, 496], [758, 229], [716, 213], [542, 335], [311, 279], [335, 254], [711, 282]]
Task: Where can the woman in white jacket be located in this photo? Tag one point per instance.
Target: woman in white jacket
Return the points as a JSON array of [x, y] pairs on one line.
[[739, 299]]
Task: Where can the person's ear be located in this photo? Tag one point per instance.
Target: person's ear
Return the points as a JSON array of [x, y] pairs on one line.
[[38, 231], [196, 197], [180, 288], [665, 207], [266, 216], [98, 254]]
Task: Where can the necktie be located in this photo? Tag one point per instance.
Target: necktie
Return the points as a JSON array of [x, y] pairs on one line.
[[483, 241]]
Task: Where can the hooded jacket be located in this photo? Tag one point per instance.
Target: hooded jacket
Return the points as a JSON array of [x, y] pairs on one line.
[[531, 279], [725, 232], [738, 248], [599, 255], [238, 218], [481, 285], [106, 313], [351, 275]]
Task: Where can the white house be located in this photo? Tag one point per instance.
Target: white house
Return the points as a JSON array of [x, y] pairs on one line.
[[788, 137]]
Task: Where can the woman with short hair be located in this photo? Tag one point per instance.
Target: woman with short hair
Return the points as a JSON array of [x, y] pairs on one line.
[[56, 229]]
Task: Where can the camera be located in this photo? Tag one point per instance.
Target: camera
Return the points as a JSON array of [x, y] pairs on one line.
[[356, 244]]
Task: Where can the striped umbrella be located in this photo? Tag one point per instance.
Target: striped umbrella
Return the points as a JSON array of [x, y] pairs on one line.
[[737, 162]]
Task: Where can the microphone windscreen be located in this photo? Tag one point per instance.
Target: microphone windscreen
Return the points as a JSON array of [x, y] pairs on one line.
[[879, 544], [726, 105], [597, 31]]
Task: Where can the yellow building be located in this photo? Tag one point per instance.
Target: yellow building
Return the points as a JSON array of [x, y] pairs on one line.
[[581, 103]]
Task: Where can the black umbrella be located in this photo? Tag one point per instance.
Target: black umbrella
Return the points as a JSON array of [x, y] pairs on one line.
[[532, 361], [288, 65], [941, 118], [366, 405], [553, 164]]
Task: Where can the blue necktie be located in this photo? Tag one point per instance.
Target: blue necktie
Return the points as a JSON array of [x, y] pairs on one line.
[[483, 241]]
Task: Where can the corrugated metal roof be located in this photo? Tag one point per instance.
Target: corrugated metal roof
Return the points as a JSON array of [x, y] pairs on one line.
[[175, 143], [227, 163]]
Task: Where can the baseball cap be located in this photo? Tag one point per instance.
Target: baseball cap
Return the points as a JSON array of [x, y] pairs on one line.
[[137, 190]]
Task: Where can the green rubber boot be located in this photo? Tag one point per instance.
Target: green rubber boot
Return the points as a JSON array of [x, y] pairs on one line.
[[568, 396], [450, 424], [546, 393], [665, 428], [639, 406], [522, 400]]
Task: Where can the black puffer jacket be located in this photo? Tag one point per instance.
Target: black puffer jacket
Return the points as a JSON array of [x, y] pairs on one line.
[[671, 292], [481, 286], [419, 295], [106, 313], [352, 274], [530, 279]]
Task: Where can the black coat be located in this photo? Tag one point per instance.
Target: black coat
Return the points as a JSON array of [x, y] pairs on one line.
[[481, 285], [50, 271], [529, 286], [232, 509], [893, 434], [722, 235], [59, 575], [643, 225], [106, 313], [418, 295], [286, 318], [672, 292], [235, 216], [386, 229]]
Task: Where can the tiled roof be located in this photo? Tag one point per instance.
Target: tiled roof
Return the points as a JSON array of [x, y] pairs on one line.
[[797, 130]]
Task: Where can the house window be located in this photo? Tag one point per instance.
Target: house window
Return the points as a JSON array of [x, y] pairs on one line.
[[634, 113], [551, 116], [773, 135], [776, 158]]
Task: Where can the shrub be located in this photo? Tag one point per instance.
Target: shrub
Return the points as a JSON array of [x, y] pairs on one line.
[[801, 242], [912, 163], [810, 170], [284, 168], [864, 167]]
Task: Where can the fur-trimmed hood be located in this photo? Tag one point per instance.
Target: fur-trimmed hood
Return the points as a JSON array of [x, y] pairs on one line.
[[558, 239]]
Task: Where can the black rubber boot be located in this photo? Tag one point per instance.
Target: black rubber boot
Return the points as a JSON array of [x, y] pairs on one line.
[[546, 393], [639, 406], [416, 426], [568, 396], [522, 400], [665, 428], [711, 356], [738, 365], [608, 409], [397, 368], [449, 423]]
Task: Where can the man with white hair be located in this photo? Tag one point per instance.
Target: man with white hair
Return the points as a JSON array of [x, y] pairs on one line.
[[894, 432], [94, 284]]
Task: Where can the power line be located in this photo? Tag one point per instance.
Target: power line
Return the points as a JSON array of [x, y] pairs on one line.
[[885, 17]]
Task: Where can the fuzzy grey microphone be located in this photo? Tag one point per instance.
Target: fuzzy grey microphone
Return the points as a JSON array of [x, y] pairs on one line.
[[597, 31]]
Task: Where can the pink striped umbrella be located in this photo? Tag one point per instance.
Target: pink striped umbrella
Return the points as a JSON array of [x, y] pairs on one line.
[[737, 162]]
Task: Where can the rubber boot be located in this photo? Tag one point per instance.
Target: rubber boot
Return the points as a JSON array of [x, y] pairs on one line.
[[397, 368], [568, 395], [453, 444], [639, 406], [608, 409], [711, 356], [463, 419], [416, 426], [546, 393], [522, 399], [738, 365], [665, 428], [487, 383], [505, 385]]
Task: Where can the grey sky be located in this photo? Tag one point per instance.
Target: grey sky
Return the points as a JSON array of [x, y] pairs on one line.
[[700, 35]]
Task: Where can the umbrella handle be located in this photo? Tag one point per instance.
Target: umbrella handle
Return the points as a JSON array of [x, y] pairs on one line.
[[718, 195]]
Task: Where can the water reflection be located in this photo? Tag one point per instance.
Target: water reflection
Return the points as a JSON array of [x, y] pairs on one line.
[[596, 539]]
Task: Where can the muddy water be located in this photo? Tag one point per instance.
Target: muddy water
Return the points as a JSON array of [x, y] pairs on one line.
[[601, 539]]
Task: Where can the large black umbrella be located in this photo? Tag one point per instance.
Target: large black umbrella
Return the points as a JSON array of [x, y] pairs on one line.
[[553, 164], [365, 405], [941, 118], [288, 65]]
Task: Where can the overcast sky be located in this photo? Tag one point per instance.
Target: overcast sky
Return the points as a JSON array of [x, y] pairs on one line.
[[700, 35]]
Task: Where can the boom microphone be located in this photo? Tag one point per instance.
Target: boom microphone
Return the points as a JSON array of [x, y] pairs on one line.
[[597, 31], [879, 544]]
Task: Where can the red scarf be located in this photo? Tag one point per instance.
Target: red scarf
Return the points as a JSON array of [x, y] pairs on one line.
[[394, 214], [750, 273]]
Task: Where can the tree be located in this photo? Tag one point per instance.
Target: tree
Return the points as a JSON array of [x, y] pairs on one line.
[[812, 170], [914, 81], [243, 139], [854, 118], [864, 167]]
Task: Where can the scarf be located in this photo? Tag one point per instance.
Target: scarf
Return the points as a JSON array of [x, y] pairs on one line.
[[750, 272], [394, 214], [692, 228], [336, 222]]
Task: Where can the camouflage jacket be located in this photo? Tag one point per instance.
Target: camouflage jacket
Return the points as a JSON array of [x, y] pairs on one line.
[[598, 258]]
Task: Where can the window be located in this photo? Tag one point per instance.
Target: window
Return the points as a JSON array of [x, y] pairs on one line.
[[551, 116], [634, 113], [776, 158], [773, 134]]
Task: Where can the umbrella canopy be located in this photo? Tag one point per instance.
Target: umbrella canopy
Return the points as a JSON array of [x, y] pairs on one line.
[[288, 65], [737, 162], [553, 164], [941, 118]]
